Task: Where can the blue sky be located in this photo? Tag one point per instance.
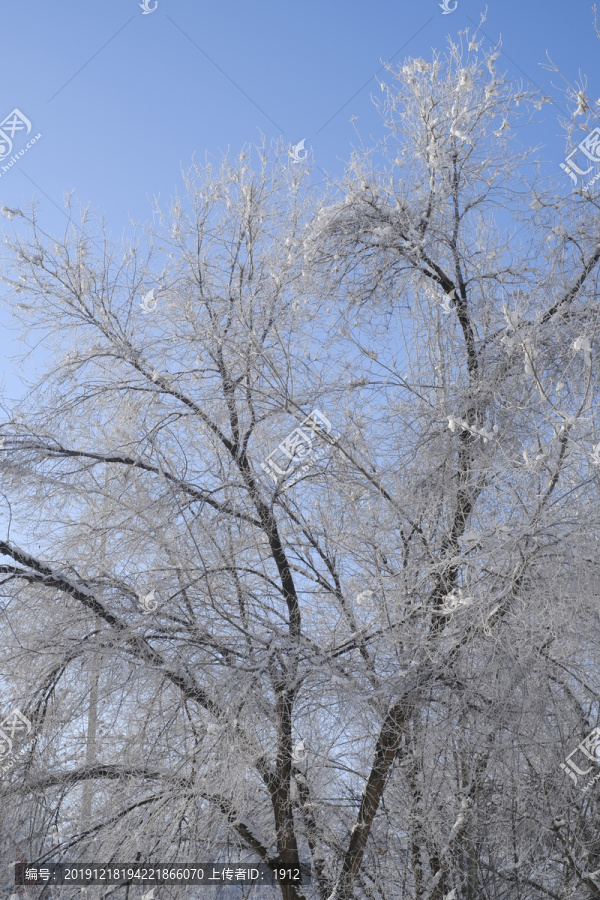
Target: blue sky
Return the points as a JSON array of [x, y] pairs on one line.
[[123, 100]]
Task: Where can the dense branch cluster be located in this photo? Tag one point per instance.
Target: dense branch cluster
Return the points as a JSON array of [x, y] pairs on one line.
[[411, 594]]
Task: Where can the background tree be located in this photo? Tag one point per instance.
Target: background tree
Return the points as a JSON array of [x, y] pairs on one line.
[[412, 594]]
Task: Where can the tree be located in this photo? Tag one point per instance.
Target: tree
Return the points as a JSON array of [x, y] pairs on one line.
[[323, 509]]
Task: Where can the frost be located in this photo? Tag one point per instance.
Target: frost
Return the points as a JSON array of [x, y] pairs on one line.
[[513, 319], [11, 213], [466, 81], [530, 356], [582, 104], [582, 343], [454, 601], [486, 433]]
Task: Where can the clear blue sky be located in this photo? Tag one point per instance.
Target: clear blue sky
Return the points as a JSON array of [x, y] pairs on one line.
[[124, 99]]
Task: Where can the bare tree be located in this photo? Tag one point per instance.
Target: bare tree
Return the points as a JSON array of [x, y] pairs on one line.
[[315, 480]]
